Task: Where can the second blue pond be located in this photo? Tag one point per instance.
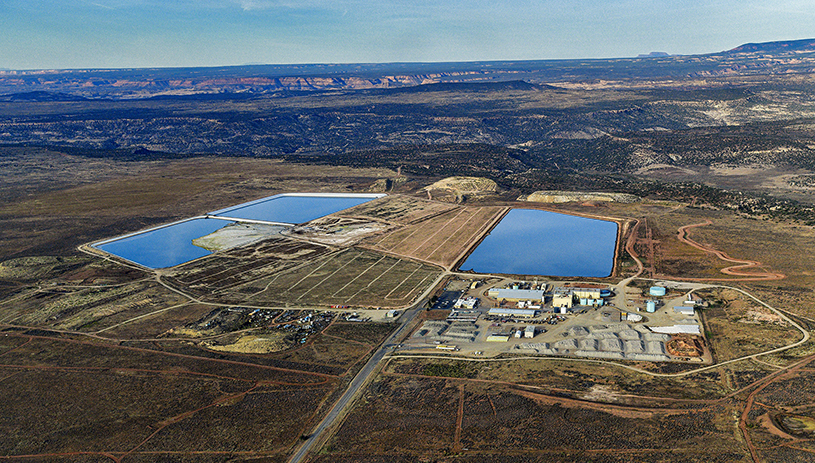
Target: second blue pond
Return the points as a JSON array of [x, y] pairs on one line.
[[533, 242]]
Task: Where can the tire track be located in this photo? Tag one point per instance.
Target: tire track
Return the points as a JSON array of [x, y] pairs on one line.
[[735, 270]]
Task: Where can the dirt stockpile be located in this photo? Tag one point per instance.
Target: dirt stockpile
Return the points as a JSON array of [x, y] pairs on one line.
[[556, 196]]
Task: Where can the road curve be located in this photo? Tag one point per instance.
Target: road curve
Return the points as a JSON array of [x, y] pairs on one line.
[[735, 270]]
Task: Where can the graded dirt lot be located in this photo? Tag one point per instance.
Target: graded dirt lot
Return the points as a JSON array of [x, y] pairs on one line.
[[738, 326], [441, 239], [400, 209], [290, 273]]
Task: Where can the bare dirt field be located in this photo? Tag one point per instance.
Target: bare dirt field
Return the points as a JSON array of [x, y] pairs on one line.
[[399, 209], [737, 326], [441, 239], [291, 273], [745, 270], [462, 420]]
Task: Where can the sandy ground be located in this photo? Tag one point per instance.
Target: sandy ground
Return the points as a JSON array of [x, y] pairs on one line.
[[343, 235], [238, 234], [253, 344]]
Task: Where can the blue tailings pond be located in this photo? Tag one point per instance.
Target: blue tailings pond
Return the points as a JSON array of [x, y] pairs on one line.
[[533, 242], [167, 246], [172, 245], [293, 209]]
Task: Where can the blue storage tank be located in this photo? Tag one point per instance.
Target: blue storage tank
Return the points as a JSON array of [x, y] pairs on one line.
[[651, 306], [657, 291]]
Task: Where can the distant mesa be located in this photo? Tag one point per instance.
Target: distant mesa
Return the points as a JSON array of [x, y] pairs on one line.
[[654, 54], [40, 95], [430, 86], [776, 47], [277, 81]]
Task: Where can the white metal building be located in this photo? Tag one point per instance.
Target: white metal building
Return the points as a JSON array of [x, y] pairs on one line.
[[513, 313], [515, 295], [587, 293], [529, 331], [684, 310], [468, 302], [562, 297]]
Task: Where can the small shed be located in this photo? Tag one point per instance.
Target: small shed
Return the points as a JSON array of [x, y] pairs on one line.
[[529, 331], [684, 310]]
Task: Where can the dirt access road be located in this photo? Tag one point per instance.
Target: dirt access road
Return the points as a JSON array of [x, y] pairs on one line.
[[337, 412], [735, 270]]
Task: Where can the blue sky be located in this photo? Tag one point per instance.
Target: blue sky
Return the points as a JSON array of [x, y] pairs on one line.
[[37, 34]]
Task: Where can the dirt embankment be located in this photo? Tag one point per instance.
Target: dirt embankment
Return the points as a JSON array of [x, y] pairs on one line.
[[460, 187], [557, 196]]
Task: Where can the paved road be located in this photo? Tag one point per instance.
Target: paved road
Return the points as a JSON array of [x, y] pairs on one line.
[[363, 376]]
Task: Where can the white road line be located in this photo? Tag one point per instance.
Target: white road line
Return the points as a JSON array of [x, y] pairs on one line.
[[372, 281], [329, 276], [387, 296], [438, 230], [313, 271], [355, 278]]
